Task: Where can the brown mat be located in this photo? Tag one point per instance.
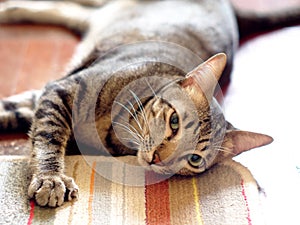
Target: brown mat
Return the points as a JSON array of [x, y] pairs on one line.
[[227, 194]]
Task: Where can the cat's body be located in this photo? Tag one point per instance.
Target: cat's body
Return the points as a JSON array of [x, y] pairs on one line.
[[170, 127]]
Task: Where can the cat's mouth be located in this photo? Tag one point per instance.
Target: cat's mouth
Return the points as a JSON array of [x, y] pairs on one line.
[[152, 161], [150, 158], [155, 159]]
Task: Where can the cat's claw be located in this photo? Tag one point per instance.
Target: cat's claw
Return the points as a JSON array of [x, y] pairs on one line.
[[52, 190]]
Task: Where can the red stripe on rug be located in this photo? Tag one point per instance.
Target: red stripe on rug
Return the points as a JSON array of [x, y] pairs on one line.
[[31, 212], [157, 202], [246, 201]]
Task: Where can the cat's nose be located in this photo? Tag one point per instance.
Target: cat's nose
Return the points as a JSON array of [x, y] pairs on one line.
[[155, 159]]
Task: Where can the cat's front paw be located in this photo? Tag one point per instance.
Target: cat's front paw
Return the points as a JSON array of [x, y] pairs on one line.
[[52, 190]]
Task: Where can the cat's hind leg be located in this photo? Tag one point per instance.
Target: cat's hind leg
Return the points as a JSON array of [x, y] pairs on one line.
[[67, 14], [90, 2], [16, 112]]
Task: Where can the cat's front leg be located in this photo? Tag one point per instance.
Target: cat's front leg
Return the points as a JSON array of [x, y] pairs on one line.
[[50, 132], [68, 14]]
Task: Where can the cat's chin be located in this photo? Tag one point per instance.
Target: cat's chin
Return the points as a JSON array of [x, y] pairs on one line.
[[144, 163], [147, 165], [159, 168]]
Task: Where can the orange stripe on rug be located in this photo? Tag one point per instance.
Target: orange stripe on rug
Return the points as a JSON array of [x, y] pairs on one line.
[[91, 197], [157, 202], [197, 202]]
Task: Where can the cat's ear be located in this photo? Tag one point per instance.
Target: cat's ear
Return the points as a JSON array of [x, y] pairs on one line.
[[237, 141], [203, 79]]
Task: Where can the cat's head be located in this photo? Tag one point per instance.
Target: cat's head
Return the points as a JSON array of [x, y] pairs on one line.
[[182, 130]]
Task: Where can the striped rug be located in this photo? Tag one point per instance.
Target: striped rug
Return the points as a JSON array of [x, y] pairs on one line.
[[227, 194]]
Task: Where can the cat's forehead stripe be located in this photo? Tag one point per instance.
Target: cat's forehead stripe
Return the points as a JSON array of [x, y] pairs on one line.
[[196, 130], [189, 125]]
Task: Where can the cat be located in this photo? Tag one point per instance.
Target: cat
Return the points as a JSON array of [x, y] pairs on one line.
[[135, 86]]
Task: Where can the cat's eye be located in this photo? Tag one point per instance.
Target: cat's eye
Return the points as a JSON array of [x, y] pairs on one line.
[[195, 160], [174, 122]]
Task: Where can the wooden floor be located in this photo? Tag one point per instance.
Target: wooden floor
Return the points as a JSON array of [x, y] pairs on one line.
[[31, 55]]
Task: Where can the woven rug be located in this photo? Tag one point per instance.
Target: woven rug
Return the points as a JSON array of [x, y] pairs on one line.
[[227, 194]]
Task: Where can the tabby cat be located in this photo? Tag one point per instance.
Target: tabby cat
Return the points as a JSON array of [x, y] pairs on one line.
[[132, 88]]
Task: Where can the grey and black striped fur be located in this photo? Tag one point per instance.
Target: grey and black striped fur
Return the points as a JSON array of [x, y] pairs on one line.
[[171, 129]]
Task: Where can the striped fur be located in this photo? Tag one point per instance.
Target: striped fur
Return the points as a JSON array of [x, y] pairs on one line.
[[178, 138], [16, 112]]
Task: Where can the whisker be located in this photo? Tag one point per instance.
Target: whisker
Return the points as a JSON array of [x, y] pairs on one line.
[[151, 88], [125, 128], [136, 115], [169, 84], [129, 126], [135, 118], [133, 134], [217, 147], [226, 150], [132, 141], [140, 105]]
